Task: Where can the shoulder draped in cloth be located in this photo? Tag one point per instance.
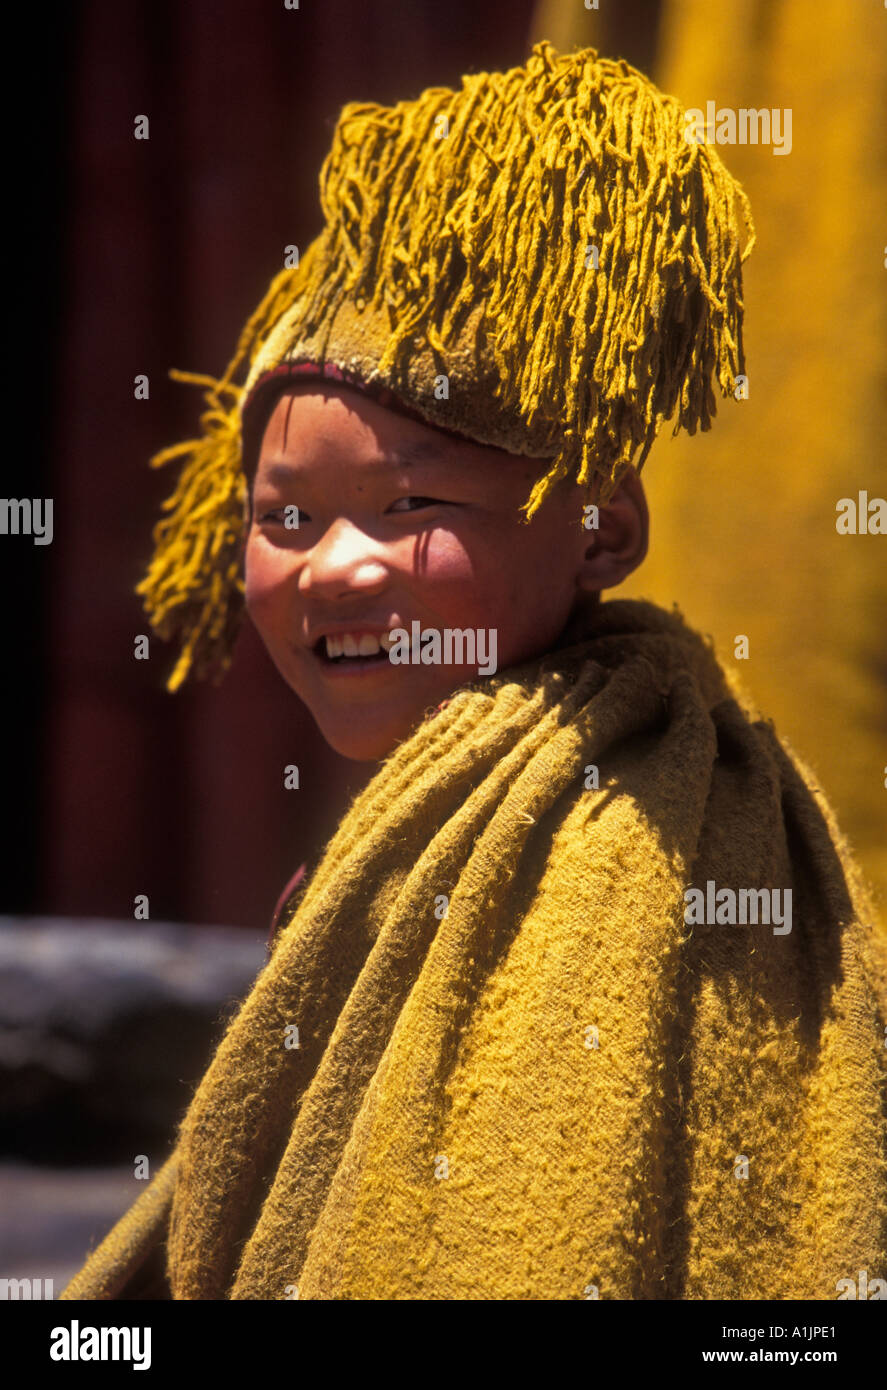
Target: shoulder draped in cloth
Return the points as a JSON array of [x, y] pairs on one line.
[[556, 1086]]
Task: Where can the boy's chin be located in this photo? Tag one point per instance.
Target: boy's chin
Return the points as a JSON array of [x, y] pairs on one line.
[[371, 731], [361, 742]]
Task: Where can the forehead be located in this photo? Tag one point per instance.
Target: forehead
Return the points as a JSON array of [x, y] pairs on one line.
[[335, 412], [310, 424]]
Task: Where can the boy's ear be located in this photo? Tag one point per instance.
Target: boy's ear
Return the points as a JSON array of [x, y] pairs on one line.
[[619, 543]]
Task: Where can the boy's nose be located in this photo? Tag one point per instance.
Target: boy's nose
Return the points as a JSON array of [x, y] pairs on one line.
[[344, 559]]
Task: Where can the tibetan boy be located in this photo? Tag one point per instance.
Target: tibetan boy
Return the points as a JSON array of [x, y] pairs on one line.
[[510, 1042]]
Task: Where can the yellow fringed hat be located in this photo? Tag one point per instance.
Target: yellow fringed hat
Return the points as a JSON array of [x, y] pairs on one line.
[[541, 261]]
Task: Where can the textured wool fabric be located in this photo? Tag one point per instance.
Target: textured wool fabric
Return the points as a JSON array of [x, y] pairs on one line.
[[554, 1088]]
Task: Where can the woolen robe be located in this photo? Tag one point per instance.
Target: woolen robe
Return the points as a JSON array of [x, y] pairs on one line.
[[524, 1066]]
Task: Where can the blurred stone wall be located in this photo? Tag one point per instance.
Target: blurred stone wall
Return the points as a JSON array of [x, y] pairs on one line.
[[105, 1030]]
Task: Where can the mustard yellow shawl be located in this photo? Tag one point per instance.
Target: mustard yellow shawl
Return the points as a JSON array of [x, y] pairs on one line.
[[520, 1072]]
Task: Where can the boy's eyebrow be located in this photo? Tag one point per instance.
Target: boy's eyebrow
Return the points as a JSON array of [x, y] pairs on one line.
[[417, 452]]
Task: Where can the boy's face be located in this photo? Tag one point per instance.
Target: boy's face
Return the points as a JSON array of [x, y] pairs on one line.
[[397, 523]]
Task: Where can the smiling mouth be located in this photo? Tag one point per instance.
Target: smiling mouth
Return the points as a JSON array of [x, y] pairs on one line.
[[355, 660]]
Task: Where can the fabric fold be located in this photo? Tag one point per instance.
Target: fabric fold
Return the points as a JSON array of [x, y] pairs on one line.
[[130, 1261]]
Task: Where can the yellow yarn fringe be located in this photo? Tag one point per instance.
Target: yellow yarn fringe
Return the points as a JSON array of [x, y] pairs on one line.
[[194, 584], [565, 152]]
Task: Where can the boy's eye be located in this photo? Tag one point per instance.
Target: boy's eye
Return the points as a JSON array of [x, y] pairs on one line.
[[419, 501], [280, 514]]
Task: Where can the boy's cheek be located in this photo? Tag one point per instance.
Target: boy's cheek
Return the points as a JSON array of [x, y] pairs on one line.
[[264, 575]]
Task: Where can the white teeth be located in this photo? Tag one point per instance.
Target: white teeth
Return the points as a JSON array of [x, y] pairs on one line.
[[350, 645]]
